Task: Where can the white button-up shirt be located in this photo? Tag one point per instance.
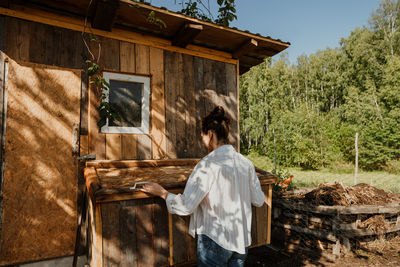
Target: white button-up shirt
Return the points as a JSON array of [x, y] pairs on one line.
[[218, 196]]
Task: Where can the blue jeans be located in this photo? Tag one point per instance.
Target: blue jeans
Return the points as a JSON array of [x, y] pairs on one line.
[[211, 254]]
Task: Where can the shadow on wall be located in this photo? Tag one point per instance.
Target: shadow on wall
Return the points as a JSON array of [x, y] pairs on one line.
[[40, 179]]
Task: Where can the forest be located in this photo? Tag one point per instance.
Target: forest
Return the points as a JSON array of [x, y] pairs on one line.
[[310, 112]]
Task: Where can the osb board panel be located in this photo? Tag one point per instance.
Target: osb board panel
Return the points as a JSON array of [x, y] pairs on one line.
[[40, 181]]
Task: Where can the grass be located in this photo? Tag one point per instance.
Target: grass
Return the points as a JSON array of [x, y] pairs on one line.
[[338, 173]]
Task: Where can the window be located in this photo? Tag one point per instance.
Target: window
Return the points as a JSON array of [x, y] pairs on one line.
[[129, 94]]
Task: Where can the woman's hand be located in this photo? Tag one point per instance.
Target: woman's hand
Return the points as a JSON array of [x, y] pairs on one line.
[[154, 189]]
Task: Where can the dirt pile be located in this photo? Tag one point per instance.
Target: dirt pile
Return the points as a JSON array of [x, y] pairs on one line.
[[360, 194]]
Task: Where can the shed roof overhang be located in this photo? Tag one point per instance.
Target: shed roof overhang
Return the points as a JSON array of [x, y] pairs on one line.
[[182, 31]]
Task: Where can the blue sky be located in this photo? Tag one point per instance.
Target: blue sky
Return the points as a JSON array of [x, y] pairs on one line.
[[309, 25]]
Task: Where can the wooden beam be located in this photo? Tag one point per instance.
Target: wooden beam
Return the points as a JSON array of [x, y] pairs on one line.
[[244, 48], [186, 34], [4, 3], [105, 14], [118, 34], [140, 163]]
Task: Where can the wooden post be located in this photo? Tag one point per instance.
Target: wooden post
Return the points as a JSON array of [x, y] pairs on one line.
[[356, 161]]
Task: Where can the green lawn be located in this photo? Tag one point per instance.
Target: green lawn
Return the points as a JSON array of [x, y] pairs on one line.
[[339, 173]]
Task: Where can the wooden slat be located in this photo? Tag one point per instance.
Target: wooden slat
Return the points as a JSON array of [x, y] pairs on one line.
[[127, 57], [190, 112], [83, 145], [143, 146], [84, 125], [119, 34], [179, 239], [110, 53], [262, 224], [16, 45], [180, 108], [200, 104], [97, 140], [113, 146], [157, 104], [129, 146], [254, 227], [232, 102], [170, 240], [105, 14], [111, 234], [142, 59], [144, 226], [186, 34], [140, 163], [37, 42], [97, 254], [171, 84], [160, 231], [128, 243], [91, 180]]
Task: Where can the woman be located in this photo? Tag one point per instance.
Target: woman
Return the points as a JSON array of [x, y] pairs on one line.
[[218, 197]]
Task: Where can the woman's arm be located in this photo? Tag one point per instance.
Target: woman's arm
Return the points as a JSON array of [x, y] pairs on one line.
[[155, 189]]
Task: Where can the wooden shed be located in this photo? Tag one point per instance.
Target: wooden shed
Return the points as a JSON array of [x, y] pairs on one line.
[[166, 77]]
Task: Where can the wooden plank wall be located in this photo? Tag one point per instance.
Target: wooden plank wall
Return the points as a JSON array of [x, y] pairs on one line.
[[184, 88]]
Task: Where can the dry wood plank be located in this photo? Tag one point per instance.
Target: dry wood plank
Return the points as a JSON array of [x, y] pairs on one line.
[[144, 226], [129, 146], [220, 77], [262, 224], [16, 45], [200, 104], [70, 49], [245, 47], [111, 234], [254, 238], [127, 57], [190, 113], [113, 146], [76, 24], [180, 109], [83, 145], [144, 146], [160, 231], [171, 84], [180, 245], [53, 46], [142, 59], [110, 53], [232, 103], [2, 91], [97, 140], [171, 240], [84, 125], [2, 32], [98, 244], [157, 104], [323, 234], [37, 42], [127, 227], [140, 163], [92, 181]]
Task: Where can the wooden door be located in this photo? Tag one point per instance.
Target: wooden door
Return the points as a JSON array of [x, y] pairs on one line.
[[40, 177]]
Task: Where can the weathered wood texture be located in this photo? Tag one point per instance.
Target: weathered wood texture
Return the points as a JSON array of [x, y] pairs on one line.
[[134, 233], [40, 182], [193, 87]]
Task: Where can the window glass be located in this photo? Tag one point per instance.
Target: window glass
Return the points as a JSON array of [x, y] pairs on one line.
[[126, 97]]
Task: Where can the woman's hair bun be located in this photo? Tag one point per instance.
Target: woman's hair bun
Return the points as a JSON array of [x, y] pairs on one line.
[[217, 121]]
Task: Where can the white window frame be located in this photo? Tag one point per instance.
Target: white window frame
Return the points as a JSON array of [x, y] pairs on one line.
[[144, 128]]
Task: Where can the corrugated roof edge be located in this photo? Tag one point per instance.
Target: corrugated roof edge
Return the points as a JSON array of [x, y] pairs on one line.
[[169, 12]]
